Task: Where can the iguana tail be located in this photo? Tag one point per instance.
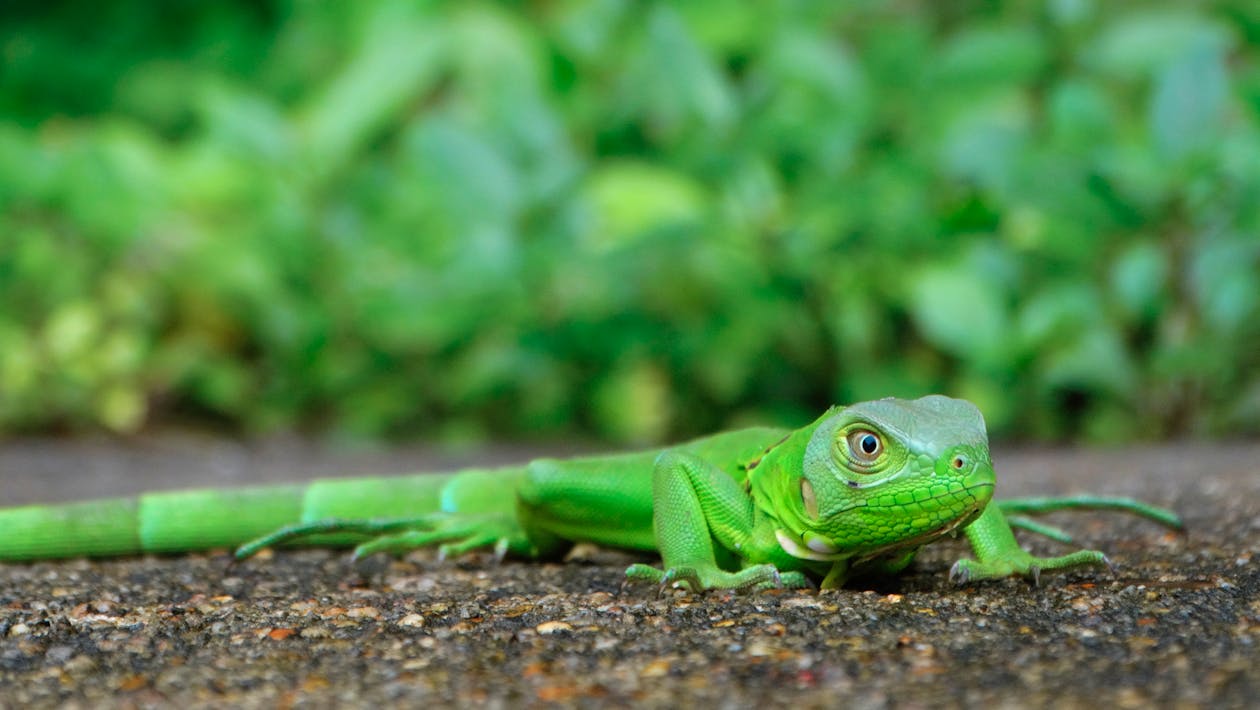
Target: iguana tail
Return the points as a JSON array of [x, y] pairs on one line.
[[183, 521]]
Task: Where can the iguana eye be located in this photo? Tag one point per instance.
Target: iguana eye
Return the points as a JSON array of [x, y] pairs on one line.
[[865, 445]]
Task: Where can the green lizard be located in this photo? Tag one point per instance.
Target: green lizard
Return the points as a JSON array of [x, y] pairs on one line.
[[856, 492]]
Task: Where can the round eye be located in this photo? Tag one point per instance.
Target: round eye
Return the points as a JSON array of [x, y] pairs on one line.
[[959, 461], [865, 445]]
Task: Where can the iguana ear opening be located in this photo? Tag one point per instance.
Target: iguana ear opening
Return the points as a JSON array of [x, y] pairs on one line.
[[808, 499]]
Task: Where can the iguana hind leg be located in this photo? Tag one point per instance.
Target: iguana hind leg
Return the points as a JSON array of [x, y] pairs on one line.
[[999, 554], [457, 533], [1037, 506], [359, 527]]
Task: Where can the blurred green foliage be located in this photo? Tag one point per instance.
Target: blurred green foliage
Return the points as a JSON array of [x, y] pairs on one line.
[[636, 219]]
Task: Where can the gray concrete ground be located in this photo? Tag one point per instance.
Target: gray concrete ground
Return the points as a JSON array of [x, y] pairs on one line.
[[1178, 623]]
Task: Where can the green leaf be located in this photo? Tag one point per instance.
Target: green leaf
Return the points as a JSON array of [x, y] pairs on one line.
[[985, 142], [1095, 360], [72, 330], [634, 403], [1138, 279], [1140, 44], [466, 176], [1226, 281], [994, 55], [399, 59], [1188, 107], [1058, 314], [674, 78], [960, 311], [121, 408], [631, 199], [1081, 113]]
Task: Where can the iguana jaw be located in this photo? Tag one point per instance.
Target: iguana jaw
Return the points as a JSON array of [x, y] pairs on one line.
[[819, 549], [921, 539]]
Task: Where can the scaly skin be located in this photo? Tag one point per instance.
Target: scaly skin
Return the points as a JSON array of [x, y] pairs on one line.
[[857, 492]]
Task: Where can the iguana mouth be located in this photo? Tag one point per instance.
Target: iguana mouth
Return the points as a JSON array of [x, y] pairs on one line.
[[965, 490], [793, 545], [922, 539]]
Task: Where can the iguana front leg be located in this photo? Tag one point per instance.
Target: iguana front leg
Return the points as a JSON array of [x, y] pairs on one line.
[[695, 503]]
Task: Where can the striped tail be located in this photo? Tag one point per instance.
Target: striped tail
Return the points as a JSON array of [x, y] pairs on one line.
[[183, 521]]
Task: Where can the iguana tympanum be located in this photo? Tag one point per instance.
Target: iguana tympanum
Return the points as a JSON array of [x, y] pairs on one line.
[[856, 492]]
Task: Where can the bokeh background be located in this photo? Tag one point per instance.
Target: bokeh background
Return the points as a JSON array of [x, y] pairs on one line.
[[624, 220]]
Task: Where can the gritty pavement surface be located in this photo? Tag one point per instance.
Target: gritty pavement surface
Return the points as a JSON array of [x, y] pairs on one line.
[[1176, 625]]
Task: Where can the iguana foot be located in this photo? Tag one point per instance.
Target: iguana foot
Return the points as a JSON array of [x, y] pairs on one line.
[[702, 578], [1019, 562]]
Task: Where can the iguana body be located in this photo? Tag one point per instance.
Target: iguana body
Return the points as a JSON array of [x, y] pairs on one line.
[[858, 491]]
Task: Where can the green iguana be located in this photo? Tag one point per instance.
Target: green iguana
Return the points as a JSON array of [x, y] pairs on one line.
[[856, 492]]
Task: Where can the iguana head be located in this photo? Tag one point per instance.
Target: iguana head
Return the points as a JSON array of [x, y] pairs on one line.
[[886, 475]]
